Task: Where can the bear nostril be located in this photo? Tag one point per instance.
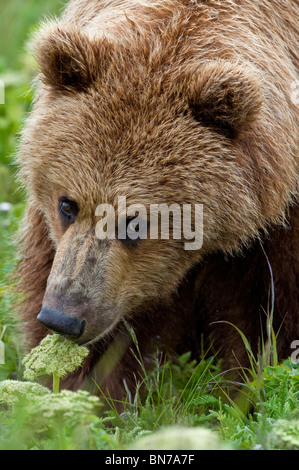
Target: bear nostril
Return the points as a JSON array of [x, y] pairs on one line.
[[83, 323], [62, 324]]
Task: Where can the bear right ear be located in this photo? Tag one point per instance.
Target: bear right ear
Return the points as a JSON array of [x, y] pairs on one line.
[[68, 58], [225, 95]]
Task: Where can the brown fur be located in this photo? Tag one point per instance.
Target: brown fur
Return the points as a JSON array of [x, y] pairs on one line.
[[177, 101]]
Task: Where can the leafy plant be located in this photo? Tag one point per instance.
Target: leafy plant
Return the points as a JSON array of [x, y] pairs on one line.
[[54, 356], [49, 414]]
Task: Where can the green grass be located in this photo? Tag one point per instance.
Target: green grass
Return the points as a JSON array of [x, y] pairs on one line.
[[179, 392], [18, 18]]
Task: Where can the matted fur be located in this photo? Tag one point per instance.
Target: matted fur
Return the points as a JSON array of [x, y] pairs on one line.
[[171, 101]]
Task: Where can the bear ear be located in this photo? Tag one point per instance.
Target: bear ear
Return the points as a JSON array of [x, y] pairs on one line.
[[68, 58], [225, 95]]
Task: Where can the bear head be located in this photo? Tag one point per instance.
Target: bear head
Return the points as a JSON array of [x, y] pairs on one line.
[[139, 125]]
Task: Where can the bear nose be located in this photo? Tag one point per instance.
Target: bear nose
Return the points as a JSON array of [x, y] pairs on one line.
[[60, 323]]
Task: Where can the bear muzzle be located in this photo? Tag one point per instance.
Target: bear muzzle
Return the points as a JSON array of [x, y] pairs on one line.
[[57, 322]]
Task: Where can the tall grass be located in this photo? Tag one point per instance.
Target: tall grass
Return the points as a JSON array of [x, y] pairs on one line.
[[17, 20], [177, 392]]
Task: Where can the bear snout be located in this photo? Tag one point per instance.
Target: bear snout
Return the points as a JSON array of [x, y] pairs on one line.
[[60, 323]]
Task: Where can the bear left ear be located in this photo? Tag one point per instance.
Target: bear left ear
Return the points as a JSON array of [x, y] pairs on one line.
[[225, 95], [68, 58]]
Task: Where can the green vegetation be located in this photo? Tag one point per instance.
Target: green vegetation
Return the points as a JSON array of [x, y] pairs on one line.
[[187, 407], [261, 411], [53, 356], [17, 21]]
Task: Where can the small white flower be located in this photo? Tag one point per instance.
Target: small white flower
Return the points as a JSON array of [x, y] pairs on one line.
[[5, 207]]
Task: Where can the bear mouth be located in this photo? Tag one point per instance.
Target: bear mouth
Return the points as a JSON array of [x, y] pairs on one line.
[[85, 341]]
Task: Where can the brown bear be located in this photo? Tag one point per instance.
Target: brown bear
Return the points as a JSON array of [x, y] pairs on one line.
[[175, 102]]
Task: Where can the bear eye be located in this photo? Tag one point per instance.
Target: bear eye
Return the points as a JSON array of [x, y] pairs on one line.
[[68, 210], [135, 231], [132, 228]]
